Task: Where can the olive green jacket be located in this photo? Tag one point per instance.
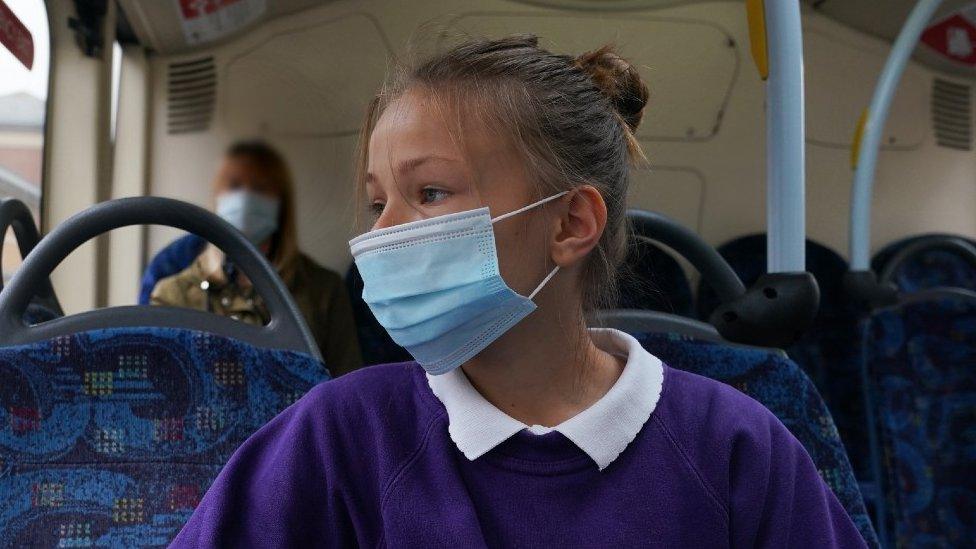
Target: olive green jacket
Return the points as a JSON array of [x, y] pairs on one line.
[[319, 293]]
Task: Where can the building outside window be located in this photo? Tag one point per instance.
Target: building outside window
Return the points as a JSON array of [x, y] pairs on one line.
[[24, 65]]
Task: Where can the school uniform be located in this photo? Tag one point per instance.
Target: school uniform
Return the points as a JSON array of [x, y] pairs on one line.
[[389, 456]]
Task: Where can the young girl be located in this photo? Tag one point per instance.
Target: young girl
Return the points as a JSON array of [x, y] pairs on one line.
[[497, 173]]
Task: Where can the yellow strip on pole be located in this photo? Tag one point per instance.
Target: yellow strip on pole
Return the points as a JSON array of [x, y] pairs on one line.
[[858, 136], [756, 15]]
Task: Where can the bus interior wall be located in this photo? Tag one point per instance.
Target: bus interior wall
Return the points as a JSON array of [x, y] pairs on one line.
[[288, 81]]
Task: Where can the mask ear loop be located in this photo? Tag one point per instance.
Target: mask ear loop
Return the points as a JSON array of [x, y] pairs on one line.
[[545, 280], [529, 207], [555, 270]]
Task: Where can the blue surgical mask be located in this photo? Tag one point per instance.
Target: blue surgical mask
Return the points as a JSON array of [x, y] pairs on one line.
[[434, 285], [255, 215]]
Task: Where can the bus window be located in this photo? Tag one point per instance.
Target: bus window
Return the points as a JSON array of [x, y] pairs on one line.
[[24, 60]]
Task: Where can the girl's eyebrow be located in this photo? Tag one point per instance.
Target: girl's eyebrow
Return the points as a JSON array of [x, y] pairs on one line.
[[414, 163], [411, 164]]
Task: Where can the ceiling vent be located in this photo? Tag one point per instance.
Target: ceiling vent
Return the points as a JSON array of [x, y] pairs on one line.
[[191, 91], [952, 114]]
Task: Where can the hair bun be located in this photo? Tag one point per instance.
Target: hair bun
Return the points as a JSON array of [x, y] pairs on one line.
[[619, 81]]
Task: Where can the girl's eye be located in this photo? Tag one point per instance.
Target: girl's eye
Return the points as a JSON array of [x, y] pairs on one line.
[[430, 195]]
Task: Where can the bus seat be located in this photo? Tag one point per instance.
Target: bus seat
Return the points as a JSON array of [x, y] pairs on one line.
[[114, 422], [651, 279], [44, 305], [747, 256], [111, 437], [766, 375], [828, 352], [928, 261], [920, 371], [638, 321], [780, 385], [172, 259], [376, 344]]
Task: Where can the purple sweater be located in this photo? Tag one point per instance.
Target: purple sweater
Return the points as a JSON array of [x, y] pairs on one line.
[[367, 460]]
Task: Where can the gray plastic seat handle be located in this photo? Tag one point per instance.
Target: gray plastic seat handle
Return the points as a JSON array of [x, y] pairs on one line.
[[16, 214], [704, 258], [286, 329], [951, 244]]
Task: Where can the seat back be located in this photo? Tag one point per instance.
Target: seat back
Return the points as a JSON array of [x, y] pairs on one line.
[[929, 265], [780, 385], [286, 328], [111, 437], [172, 259], [920, 369], [639, 321], [15, 214], [113, 423], [651, 279], [828, 352], [747, 257]]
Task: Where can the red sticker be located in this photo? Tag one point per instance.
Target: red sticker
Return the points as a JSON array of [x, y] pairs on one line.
[[207, 20], [953, 38], [192, 9], [15, 36]]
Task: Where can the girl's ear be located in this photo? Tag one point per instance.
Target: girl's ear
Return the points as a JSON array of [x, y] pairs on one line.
[[579, 227]]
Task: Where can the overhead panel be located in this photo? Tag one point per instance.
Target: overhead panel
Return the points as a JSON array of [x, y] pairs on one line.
[[840, 79], [884, 19], [298, 82], [689, 65], [205, 22], [172, 27], [879, 18]]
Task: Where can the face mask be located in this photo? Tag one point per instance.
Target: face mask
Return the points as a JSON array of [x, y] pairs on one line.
[[255, 215], [434, 285]]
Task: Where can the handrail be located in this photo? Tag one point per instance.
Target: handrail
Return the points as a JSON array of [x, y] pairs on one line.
[[714, 270], [874, 122], [775, 29], [285, 330]]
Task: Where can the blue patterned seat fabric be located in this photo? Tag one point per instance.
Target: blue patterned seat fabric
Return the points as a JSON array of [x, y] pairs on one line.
[[172, 259], [651, 279], [929, 269], [109, 438], [782, 387], [829, 351], [921, 366]]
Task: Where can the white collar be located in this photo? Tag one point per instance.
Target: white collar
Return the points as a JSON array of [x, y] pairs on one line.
[[602, 431]]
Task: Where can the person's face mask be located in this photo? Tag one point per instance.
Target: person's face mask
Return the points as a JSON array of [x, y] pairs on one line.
[[255, 215], [435, 286]]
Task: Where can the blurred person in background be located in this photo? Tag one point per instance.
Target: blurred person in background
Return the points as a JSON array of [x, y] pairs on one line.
[[253, 191]]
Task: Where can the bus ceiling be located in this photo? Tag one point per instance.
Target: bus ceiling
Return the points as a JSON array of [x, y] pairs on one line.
[[885, 19], [180, 26]]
